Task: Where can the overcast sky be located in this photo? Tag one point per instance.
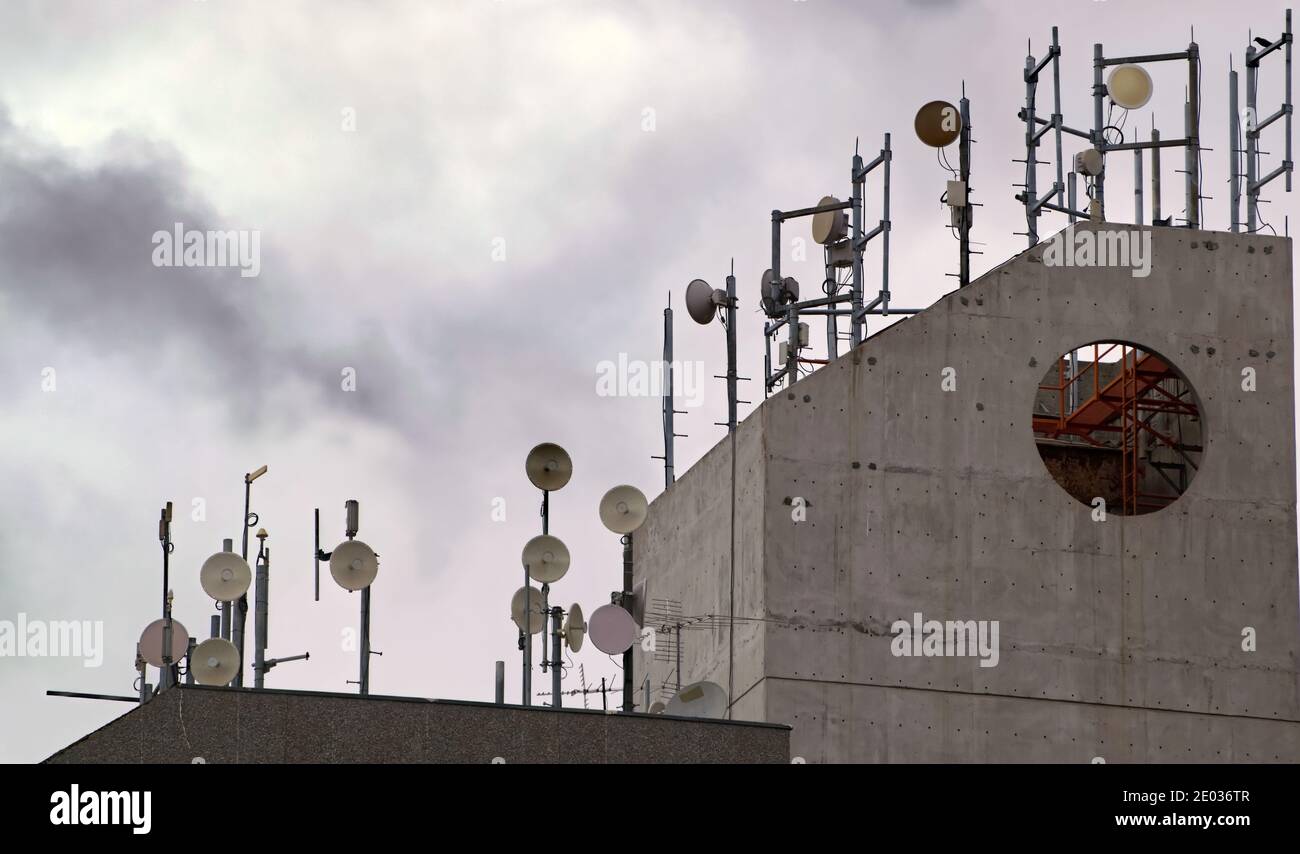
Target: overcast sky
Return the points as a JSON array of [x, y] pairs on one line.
[[472, 205]]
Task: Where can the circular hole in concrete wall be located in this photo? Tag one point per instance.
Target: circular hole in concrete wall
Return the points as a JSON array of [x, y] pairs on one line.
[[1118, 422]]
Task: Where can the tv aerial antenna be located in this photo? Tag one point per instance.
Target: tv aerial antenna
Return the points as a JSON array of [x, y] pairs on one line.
[[545, 558], [353, 566], [623, 510]]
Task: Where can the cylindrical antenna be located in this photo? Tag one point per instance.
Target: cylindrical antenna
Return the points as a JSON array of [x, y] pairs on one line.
[[354, 517], [501, 683], [214, 630], [261, 614]]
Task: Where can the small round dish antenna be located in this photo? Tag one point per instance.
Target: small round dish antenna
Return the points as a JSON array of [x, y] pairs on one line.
[[354, 565], [937, 124], [623, 509], [225, 576], [574, 627], [548, 466], [1129, 86], [151, 642], [214, 662], [829, 226], [612, 630], [700, 303], [657, 708], [546, 558], [536, 619], [699, 700]]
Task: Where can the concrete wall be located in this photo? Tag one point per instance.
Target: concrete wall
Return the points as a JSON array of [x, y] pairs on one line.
[[1120, 639], [244, 726]]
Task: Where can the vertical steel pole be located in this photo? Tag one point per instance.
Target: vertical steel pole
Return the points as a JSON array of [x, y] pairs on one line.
[[1098, 136], [1137, 182], [1252, 144], [886, 225], [365, 641], [1289, 111], [1057, 120], [556, 700], [629, 699], [857, 247], [240, 615], [1193, 136], [1234, 154], [792, 347], [1031, 158], [669, 408], [967, 209], [731, 349], [1155, 177], [527, 690]]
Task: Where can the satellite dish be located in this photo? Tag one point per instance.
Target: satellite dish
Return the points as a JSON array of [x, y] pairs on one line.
[[214, 662], [546, 558], [1129, 86], [536, 619], [699, 302], [699, 700], [549, 467], [657, 708], [623, 509], [354, 565], [829, 226], [225, 576], [574, 627], [938, 123], [612, 629], [151, 642]]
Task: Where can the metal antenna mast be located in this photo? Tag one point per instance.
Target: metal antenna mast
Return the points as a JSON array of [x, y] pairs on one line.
[[1254, 125], [668, 368]]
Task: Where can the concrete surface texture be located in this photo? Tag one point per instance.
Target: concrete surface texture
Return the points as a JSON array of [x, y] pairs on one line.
[[1171, 636], [223, 725]]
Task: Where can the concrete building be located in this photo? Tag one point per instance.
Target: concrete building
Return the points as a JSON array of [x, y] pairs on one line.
[[906, 478], [191, 723]]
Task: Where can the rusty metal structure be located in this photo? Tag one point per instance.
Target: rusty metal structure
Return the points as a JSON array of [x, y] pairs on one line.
[[1131, 402]]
